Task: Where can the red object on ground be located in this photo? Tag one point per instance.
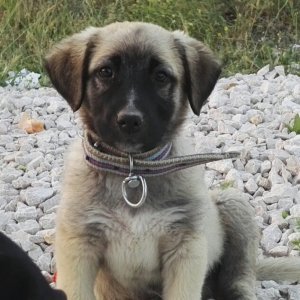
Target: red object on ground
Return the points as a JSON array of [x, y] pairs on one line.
[[54, 277]]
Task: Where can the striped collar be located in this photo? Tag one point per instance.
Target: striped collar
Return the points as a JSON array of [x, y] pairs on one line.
[[103, 157], [135, 167]]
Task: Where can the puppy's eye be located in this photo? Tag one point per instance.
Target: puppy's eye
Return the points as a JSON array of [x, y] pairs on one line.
[[161, 76], [105, 72]]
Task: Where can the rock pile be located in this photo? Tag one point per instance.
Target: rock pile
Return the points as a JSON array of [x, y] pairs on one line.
[[245, 113]]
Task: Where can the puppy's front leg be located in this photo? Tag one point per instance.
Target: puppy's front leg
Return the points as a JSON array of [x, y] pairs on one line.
[[77, 267], [184, 268]]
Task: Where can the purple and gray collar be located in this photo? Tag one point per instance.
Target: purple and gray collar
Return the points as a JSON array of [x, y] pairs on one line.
[[136, 167]]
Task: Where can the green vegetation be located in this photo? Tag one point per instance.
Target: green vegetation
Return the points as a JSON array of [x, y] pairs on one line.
[[246, 35], [226, 184], [295, 125], [296, 243], [285, 214]]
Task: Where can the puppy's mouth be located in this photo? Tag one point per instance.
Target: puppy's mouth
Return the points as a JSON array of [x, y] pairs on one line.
[[129, 147], [133, 145]]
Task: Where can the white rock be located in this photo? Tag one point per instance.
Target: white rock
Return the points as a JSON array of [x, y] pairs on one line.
[[239, 118], [222, 166], [294, 222], [22, 238], [36, 195], [256, 119], [274, 177], [285, 236], [22, 102], [295, 253], [51, 204], [251, 186], [235, 177], [48, 235], [268, 294], [286, 175], [225, 128], [296, 91], [265, 183], [3, 127], [285, 203], [263, 71], [248, 128], [56, 106], [277, 165], [35, 253], [253, 166], [217, 99], [258, 202], [44, 262], [30, 226], [64, 138], [238, 165], [63, 122], [296, 179], [265, 87], [260, 191], [28, 157], [4, 218], [25, 213], [288, 103], [260, 212], [10, 174], [37, 101], [265, 166], [294, 237], [35, 163], [293, 164], [293, 149], [280, 70], [21, 183], [267, 284], [270, 237], [271, 154], [295, 211], [294, 292], [276, 218], [272, 207], [280, 191], [48, 221]]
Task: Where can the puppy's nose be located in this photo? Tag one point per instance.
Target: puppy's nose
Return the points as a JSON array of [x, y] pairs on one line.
[[129, 122]]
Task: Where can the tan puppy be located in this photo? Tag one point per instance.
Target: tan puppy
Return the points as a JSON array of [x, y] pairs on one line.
[[132, 83]]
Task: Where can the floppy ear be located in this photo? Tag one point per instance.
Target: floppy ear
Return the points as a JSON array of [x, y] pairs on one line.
[[201, 69], [67, 65]]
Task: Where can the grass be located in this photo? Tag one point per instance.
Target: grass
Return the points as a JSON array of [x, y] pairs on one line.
[[285, 214], [294, 125], [226, 184], [246, 35], [296, 243]]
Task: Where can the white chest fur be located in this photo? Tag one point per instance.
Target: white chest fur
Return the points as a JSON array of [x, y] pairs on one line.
[[133, 250]]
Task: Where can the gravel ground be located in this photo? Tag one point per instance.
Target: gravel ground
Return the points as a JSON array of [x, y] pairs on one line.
[[246, 113]]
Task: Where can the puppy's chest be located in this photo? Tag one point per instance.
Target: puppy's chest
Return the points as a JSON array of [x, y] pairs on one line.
[[133, 248]]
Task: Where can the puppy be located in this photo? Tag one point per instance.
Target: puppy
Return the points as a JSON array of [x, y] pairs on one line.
[[20, 278], [133, 84]]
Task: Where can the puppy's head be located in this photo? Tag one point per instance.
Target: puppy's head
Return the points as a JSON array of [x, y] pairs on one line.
[[131, 81]]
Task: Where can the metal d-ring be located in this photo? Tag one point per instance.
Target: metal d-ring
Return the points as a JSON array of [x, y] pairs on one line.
[[133, 181]]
